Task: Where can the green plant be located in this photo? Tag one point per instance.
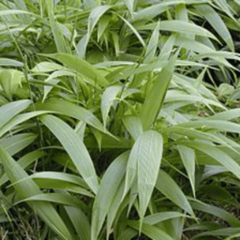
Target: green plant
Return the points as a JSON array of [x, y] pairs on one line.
[[119, 119]]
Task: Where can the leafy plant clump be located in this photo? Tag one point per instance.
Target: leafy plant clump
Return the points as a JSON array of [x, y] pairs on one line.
[[119, 119]]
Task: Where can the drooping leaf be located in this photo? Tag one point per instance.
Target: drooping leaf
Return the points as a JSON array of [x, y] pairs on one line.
[[166, 185], [217, 23], [61, 106], [10, 110], [28, 189], [75, 148], [220, 156], [80, 66]]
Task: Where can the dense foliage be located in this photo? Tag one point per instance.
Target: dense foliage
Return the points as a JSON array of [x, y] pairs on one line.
[[119, 119]]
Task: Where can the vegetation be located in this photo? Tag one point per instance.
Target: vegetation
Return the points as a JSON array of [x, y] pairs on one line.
[[119, 119]]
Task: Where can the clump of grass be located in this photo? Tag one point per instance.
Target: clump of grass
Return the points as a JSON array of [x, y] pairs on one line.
[[119, 120]]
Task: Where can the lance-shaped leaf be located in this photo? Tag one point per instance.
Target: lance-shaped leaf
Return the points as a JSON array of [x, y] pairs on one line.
[[20, 118], [133, 125], [167, 186], [220, 156], [16, 143], [80, 66], [10, 80], [80, 222], [74, 147], [93, 19], [144, 163], [107, 191], [64, 107], [24, 162], [10, 110], [108, 98], [216, 211], [188, 158], [155, 98], [151, 231], [217, 23], [152, 45]]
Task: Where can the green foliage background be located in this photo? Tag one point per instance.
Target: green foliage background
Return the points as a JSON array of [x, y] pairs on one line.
[[119, 119]]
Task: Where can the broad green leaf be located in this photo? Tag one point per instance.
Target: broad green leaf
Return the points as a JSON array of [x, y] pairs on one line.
[[233, 233], [81, 67], [163, 216], [197, 134], [22, 5], [151, 231], [16, 143], [188, 158], [61, 176], [167, 186], [10, 62], [143, 165], [55, 198], [152, 45], [13, 12], [107, 191], [154, 100], [167, 48], [225, 90], [60, 106], [20, 118], [127, 234], [133, 29], [180, 27], [48, 89], [210, 171], [115, 206], [24, 162], [80, 222], [133, 125], [181, 96], [45, 67], [217, 23], [10, 110], [56, 184], [150, 147], [108, 97], [88, 4], [156, 9], [28, 189], [213, 124], [74, 147], [220, 156], [95, 14], [216, 211], [102, 25], [82, 46], [226, 115]]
